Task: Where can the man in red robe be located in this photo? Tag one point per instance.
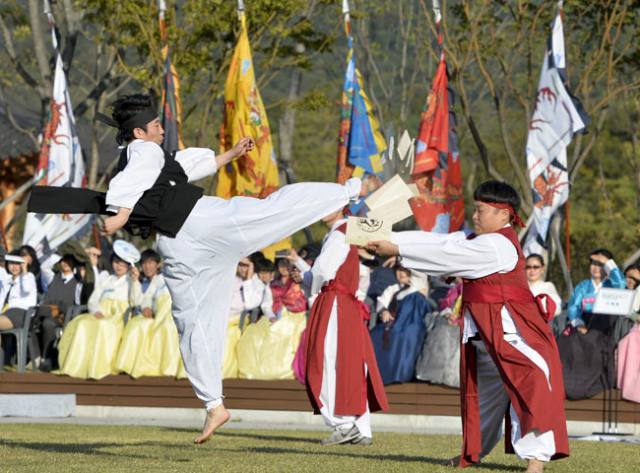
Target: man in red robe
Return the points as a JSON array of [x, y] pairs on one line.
[[509, 360], [342, 377]]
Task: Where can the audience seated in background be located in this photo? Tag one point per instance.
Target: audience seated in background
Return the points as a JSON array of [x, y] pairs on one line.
[[64, 292], [149, 345], [587, 348], [535, 275], [382, 275], [267, 348], [604, 273], [439, 362], [248, 293], [632, 276], [18, 292], [33, 266], [90, 342], [284, 293], [629, 362], [398, 340], [255, 288]]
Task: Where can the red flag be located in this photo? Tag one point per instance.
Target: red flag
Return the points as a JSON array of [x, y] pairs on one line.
[[436, 170]]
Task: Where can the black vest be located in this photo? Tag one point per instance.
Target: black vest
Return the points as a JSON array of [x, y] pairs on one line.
[[167, 204], [164, 207], [60, 293]]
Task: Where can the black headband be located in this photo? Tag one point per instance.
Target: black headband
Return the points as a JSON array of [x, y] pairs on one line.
[[139, 120]]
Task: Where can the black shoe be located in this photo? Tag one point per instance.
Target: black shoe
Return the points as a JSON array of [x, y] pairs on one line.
[[46, 365]]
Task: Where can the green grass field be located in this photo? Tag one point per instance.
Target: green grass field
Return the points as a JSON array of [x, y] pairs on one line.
[[70, 448]]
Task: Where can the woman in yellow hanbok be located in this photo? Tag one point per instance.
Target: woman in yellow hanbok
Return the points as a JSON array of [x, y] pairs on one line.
[[267, 348], [247, 294], [90, 342], [149, 344]]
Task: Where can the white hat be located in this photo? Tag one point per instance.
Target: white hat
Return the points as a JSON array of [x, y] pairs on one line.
[[14, 259], [126, 251]]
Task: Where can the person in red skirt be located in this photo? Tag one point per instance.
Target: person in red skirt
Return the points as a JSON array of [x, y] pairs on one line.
[[342, 377], [510, 365]]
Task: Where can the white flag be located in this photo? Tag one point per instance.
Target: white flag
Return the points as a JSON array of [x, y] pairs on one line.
[[556, 117], [61, 165]]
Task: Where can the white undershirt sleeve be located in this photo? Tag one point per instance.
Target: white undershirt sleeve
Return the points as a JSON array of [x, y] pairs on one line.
[[197, 163], [455, 256]]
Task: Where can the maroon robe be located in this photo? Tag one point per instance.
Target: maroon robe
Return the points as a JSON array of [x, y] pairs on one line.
[[526, 384], [353, 386]]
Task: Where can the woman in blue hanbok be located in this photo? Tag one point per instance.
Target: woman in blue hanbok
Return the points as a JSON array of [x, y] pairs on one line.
[[604, 273], [398, 340], [587, 348]]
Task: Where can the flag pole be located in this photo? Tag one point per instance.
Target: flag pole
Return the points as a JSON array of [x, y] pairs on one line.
[[436, 11], [4, 235], [347, 18], [48, 13], [566, 231], [162, 8]]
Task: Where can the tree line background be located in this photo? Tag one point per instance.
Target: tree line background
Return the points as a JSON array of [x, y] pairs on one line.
[[494, 51]]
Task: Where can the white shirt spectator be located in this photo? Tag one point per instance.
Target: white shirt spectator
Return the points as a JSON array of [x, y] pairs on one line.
[[22, 292]]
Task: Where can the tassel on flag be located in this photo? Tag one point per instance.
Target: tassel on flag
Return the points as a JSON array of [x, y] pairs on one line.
[[557, 115], [171, 106], [360, 142], [436, 170], [256, 173], [60, 164]]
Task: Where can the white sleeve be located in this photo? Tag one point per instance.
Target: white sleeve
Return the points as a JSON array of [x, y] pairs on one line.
[[416, 237], [46, 267], [267, 304], [252, 292], [146, 160], [486, 254], [4, 284], [76, 299], [636, 300], [302, 265], [94, 300], [334, 252], [384, 299], [136, 297], [197, 162], [28, 285]]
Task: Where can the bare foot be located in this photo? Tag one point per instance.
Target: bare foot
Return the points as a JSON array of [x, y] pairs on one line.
[[455, 461], [370, 184], [535, 466], [215, 418]]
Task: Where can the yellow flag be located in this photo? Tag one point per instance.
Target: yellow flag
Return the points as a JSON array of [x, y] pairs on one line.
[[256, 173]]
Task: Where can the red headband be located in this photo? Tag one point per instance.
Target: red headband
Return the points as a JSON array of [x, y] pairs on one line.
[[516, 220]]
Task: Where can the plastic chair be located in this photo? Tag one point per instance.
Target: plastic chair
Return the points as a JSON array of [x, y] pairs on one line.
[[22, 340], [71, 313]]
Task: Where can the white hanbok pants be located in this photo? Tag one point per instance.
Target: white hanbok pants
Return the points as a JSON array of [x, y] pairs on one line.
[[494, 400], [200, 264], [328, 389]]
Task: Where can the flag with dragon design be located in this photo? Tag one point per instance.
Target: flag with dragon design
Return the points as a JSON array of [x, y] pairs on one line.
[[436, 169], [60, 164], [557, 115], [256, 173]]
